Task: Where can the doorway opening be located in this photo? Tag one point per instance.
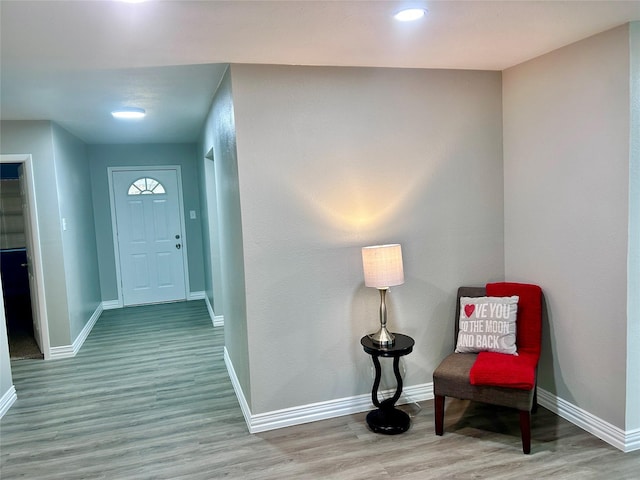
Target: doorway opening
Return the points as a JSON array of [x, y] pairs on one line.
[[22, 327]]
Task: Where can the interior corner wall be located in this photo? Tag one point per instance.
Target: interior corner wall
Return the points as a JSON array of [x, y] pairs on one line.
[[101, 157], [78, 232], [220, 136], [633, 289], [331, 159], [566, 172], [36, 138]]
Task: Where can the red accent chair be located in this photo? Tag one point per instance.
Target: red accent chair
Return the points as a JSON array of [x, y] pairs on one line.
[[496, 378]]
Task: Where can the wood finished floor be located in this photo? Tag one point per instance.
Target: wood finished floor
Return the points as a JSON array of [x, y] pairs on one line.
[[148, 397]]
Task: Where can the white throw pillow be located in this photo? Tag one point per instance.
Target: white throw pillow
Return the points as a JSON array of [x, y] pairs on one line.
[[487, 324]]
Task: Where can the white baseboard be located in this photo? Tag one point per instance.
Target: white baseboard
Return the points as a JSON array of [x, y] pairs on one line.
[[111, 304], [68, 351], [244, 406], [63, 351], [288, 417], [212, 314], [8, 399], [632, 440], [416, 393], [196, 296], [333, 408], [627, 441], [217, 320]]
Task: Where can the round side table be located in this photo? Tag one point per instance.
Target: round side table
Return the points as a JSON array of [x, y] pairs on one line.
[[387, 418]]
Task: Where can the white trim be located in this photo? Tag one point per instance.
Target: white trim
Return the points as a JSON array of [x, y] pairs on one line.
[[40, 307], [195, 296], [632, 440], [80, 339], [63, 351], [111, 305], [627, 441], [217, 320], [313, 412], [212, 314], [244, 406], [114, 229], [417, 393], [68, 351], [7, 400], [287, 417]]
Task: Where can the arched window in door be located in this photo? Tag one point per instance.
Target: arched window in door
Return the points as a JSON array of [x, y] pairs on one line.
[[146, 186]]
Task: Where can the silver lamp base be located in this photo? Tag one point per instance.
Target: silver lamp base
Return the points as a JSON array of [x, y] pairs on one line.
[[383, 337]]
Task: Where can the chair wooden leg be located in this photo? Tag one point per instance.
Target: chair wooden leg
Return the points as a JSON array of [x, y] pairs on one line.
[[534, 408], [525, 430], [439, 414]]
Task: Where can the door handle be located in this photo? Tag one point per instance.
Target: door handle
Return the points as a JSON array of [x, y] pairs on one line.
[[178, 246], [24, 264]]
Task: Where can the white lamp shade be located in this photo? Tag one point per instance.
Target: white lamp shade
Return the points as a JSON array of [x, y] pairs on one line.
[[382, 266]]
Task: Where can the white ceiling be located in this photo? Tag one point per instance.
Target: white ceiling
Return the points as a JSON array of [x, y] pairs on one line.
[[74, 61]]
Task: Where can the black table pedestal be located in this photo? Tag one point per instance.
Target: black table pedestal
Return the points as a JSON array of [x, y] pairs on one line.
[[387, 419], [390, 421]]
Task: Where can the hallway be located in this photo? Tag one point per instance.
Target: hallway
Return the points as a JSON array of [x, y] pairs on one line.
[[143, 396]]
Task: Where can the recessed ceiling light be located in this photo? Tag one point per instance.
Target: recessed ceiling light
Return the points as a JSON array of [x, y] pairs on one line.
[[129, 113], [410, 14]]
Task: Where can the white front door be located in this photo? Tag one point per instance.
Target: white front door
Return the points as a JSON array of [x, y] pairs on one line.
[[150, 237]]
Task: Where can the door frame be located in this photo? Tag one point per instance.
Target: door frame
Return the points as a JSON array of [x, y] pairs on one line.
[[39, 307], [114, 225]]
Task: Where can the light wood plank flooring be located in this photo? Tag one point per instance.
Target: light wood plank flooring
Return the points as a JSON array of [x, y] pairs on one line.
[[148, 397]]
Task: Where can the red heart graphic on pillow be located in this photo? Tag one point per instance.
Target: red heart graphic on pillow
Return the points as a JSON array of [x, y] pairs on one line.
[[469, 309]]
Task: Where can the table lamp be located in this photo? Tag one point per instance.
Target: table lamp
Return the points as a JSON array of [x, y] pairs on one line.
[[382, 265]]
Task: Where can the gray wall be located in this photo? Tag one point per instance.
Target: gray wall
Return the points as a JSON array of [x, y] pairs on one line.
[[633, 288], [103, 156], [220, 135], [62, 189], [79, 239], [35, 138], [566, 155], [333, 159]]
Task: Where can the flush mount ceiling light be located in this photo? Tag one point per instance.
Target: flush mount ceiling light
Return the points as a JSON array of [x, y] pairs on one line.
[[410, 14], [129, 113]]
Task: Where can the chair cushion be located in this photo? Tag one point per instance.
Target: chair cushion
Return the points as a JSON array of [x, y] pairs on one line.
[[501, 370], [451, 379], [529, 323]]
